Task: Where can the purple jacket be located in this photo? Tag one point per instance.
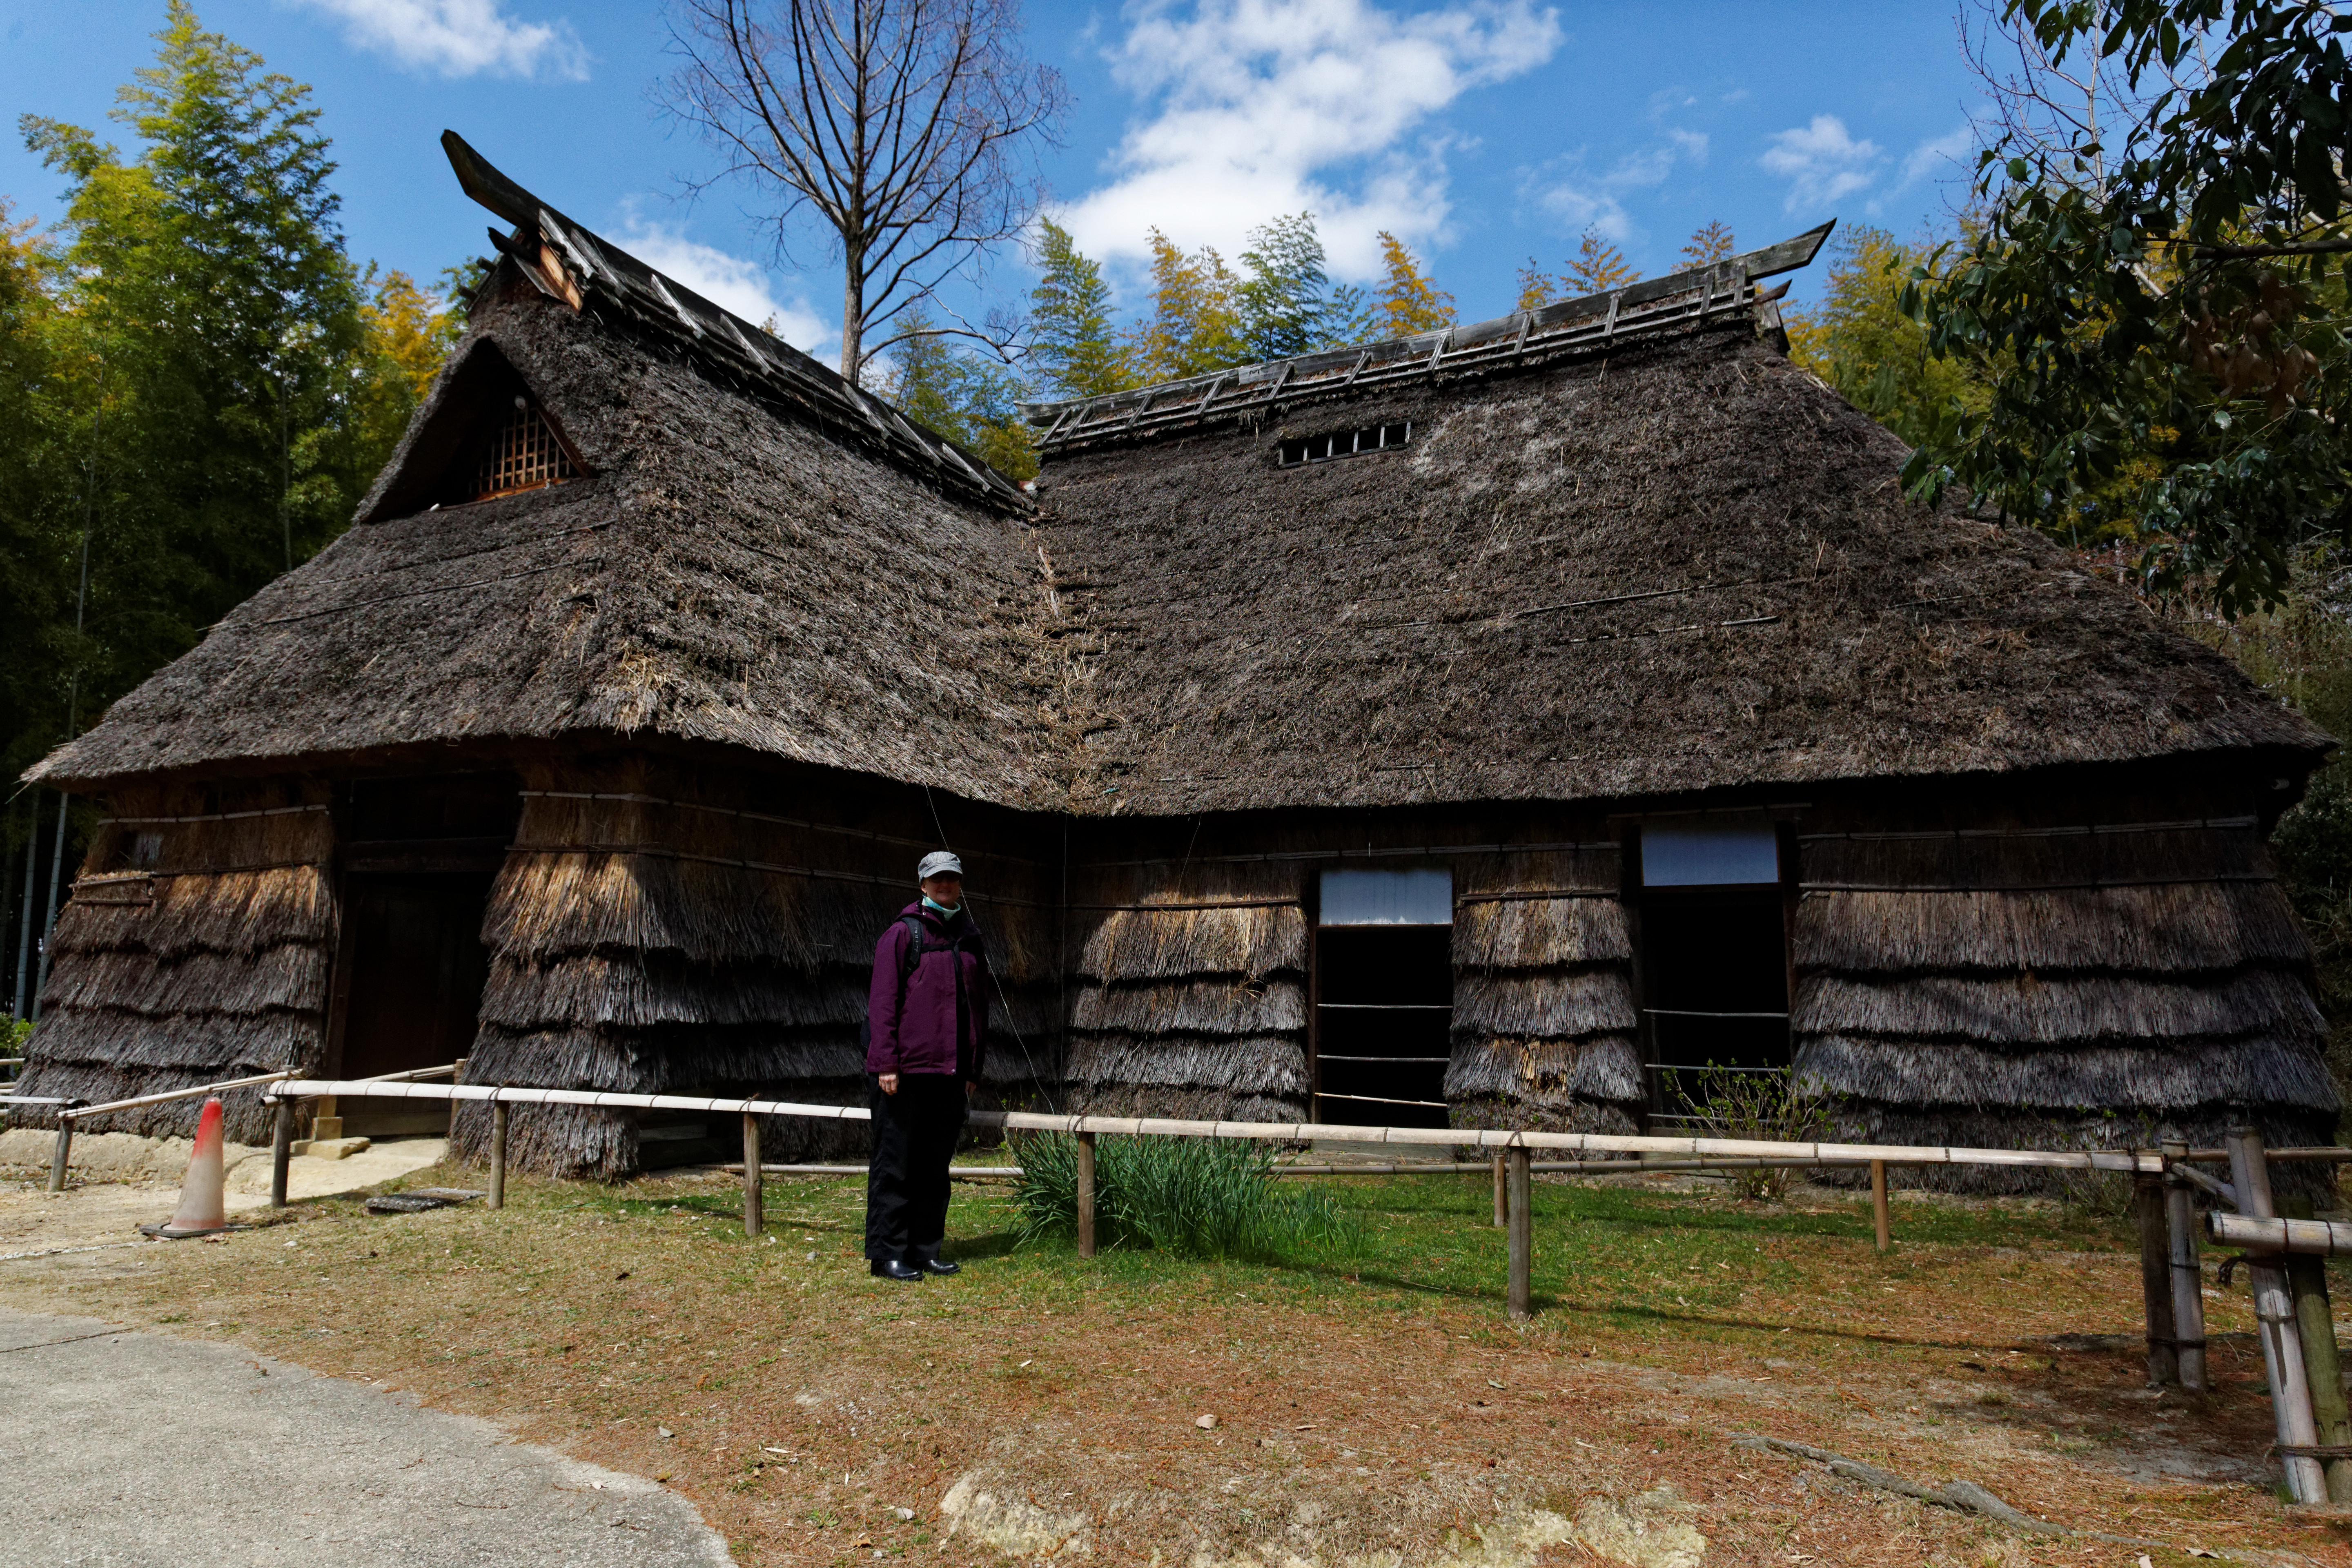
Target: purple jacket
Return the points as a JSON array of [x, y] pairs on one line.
[[914, 1029]]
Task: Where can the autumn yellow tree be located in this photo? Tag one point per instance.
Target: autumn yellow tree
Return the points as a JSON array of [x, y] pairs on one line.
[[1196, 314], [1405, 299], [1598, 265], [408, 331], [1710, 243], [1537, 287]]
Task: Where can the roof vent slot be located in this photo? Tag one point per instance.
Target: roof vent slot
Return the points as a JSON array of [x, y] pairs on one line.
[[523, 455], [1345, 444]]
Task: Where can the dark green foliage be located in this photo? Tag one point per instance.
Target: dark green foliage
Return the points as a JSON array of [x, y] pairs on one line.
[[2164, 310], [1200, 1197], [219, 389]]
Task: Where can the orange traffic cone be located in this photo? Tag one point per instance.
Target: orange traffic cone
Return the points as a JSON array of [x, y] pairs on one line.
[[201, 1211]]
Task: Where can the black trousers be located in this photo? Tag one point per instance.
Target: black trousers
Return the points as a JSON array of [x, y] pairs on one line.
[[915, 1134]]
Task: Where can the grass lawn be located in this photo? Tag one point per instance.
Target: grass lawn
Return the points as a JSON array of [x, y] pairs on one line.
[[1375, 1408]]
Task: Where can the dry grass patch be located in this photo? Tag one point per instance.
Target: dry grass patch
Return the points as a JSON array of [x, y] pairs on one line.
[[1376, 1410]]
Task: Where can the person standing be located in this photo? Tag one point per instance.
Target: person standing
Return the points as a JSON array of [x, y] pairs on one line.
[[927, 1015]]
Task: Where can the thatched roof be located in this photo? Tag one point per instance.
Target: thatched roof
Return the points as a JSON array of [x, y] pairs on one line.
[[1660, 561], [756, 555], [1628, 549]]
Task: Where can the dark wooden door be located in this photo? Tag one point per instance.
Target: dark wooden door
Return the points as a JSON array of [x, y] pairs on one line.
[[417, 970]]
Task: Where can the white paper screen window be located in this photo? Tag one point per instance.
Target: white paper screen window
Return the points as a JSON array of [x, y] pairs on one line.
[[1418, 897], [1708, 854]]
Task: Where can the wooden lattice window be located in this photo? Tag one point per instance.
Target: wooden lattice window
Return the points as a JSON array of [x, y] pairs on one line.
[[522, 456]]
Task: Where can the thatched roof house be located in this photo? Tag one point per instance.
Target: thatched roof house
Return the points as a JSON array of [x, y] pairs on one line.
[[1477, 726]]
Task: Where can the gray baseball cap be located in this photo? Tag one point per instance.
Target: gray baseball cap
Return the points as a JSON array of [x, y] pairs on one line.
[[938, 863]]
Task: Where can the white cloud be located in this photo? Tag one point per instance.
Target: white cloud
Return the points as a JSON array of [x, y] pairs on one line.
[[1820, 162], [1578, 200], [461, 38], [730, 282], [1261, 106], [1945, 154]]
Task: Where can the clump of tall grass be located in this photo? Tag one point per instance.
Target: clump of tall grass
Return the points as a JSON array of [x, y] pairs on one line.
[[1200, 1197]]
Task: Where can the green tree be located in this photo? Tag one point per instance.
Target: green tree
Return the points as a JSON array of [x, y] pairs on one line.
[[1196, 323], [1406, 299], [36, 491], [1859, 339], [210, 354], [2164, 296], [1076, 346], [1286, 300], [1598, 265], [968, 400]]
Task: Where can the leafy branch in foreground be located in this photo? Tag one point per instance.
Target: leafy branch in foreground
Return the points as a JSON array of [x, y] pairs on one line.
[[2160, 324]]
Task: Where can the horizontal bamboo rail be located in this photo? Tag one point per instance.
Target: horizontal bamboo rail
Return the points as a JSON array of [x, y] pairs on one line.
[[2307, 1237], [955, 1172], [199, 1092], [1501, 1139]]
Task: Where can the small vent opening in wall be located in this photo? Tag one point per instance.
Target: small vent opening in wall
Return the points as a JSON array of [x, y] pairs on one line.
[[1345, 444], [522, 455]]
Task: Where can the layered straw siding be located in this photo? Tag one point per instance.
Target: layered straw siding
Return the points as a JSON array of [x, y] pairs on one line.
[[659, 930], [1188, 992], [2114, 984], [1545, 1021], [196, 946]]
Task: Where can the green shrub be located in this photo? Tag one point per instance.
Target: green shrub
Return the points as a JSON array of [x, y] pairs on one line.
[[1200, 1197], [1765, 1106]]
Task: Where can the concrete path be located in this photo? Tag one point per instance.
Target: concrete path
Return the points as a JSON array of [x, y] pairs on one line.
[[128, 1449]]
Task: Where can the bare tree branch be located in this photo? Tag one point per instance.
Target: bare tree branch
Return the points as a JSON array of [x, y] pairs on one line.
[[904, 125]]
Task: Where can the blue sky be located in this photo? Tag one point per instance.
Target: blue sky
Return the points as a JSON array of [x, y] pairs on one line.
[[1482, 131]]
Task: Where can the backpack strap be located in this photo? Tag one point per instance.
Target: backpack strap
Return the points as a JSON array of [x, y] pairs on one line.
[[911, 958]]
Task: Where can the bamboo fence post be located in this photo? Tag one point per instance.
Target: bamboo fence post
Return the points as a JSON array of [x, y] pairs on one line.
[[63, 1153], [755, 1219], [499, 1153], [2188, 1275], [281, 1153], [1522, 1231], [1880, 1218], [2274, 1320], [2323, 1368], [2155, 1278], [1502, 1194], [1086, 1194], [457, 1076]]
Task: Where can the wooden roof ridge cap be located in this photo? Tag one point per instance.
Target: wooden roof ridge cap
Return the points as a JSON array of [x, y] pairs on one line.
[[1747, 268], [709, 329]]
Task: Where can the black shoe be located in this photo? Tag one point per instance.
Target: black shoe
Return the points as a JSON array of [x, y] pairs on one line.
[[892, 1269], [939, 1266]]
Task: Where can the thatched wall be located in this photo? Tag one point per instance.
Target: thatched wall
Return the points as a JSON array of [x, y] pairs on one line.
[[2105, 983], [196, 946], [1188, 985], [1546, 1026], [666, 929]]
